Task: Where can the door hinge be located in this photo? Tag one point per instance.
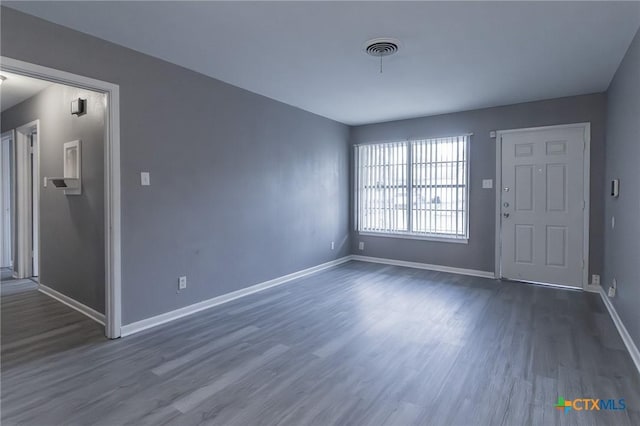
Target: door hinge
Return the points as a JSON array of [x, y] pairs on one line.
[[584, 204], [582, 263]]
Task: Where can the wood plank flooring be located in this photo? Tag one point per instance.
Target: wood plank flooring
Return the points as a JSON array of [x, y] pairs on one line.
[[359, 344], [6, 274], [13, 286]]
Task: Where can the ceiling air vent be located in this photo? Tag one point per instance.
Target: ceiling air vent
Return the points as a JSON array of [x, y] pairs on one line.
[[379, 47]]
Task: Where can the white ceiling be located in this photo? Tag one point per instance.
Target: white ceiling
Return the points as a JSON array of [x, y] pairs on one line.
[[17, 88], [454, 55]]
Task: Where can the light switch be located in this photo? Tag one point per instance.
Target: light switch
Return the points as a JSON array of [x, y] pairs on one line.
[[487, 183], [145, 180]]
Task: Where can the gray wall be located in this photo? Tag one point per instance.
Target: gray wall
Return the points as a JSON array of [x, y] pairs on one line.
[[71, 227], [479, 253], [622, 244], [243, 188]]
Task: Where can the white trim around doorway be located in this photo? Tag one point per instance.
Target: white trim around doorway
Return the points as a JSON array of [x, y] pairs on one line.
[[113, 309], [7, 203], [27, 200]]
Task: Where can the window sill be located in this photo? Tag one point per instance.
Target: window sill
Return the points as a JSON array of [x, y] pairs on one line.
[[415, 237]]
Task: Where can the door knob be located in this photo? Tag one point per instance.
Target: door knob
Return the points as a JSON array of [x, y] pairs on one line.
[[505, 214]]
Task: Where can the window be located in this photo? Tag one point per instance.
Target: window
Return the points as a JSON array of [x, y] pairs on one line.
[[415, 188]]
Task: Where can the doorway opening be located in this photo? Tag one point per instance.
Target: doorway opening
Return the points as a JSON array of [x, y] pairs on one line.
[[37, 193], [7, 214]]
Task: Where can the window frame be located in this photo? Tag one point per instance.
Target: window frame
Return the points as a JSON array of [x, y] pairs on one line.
[[409, 234]]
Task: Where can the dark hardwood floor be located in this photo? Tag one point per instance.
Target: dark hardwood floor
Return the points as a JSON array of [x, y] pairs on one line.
[[358, 344], [6, 274], [13, 286]]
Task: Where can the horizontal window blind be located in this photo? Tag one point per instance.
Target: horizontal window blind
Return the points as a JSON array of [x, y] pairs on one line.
[[416, 187], [439, 186], [382, 187]]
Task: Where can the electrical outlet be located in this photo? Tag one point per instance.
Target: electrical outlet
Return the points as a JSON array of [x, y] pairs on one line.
[[595, 279], [333, 245], [361, 245], [182, 283]]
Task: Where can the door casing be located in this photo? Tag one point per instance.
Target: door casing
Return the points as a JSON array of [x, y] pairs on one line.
[[113, 269], [27, 200], [586, 178], [6, 199]]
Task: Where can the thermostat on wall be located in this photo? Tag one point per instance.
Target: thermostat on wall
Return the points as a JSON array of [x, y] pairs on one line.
[[78, 106]]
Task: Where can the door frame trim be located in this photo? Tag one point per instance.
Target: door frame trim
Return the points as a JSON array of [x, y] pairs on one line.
[[586, 196], [27, 195], [8, 136], [113, 305]]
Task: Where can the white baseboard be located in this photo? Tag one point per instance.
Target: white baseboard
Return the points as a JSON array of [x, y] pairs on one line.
[[626, 337], [593, 288], [74, 304], [439, 268], [135, 327]]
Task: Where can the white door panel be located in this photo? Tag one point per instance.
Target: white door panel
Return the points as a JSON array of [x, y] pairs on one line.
[[542, 227]]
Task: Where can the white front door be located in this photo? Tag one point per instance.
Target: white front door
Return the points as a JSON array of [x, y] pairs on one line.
[[542, 205]]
